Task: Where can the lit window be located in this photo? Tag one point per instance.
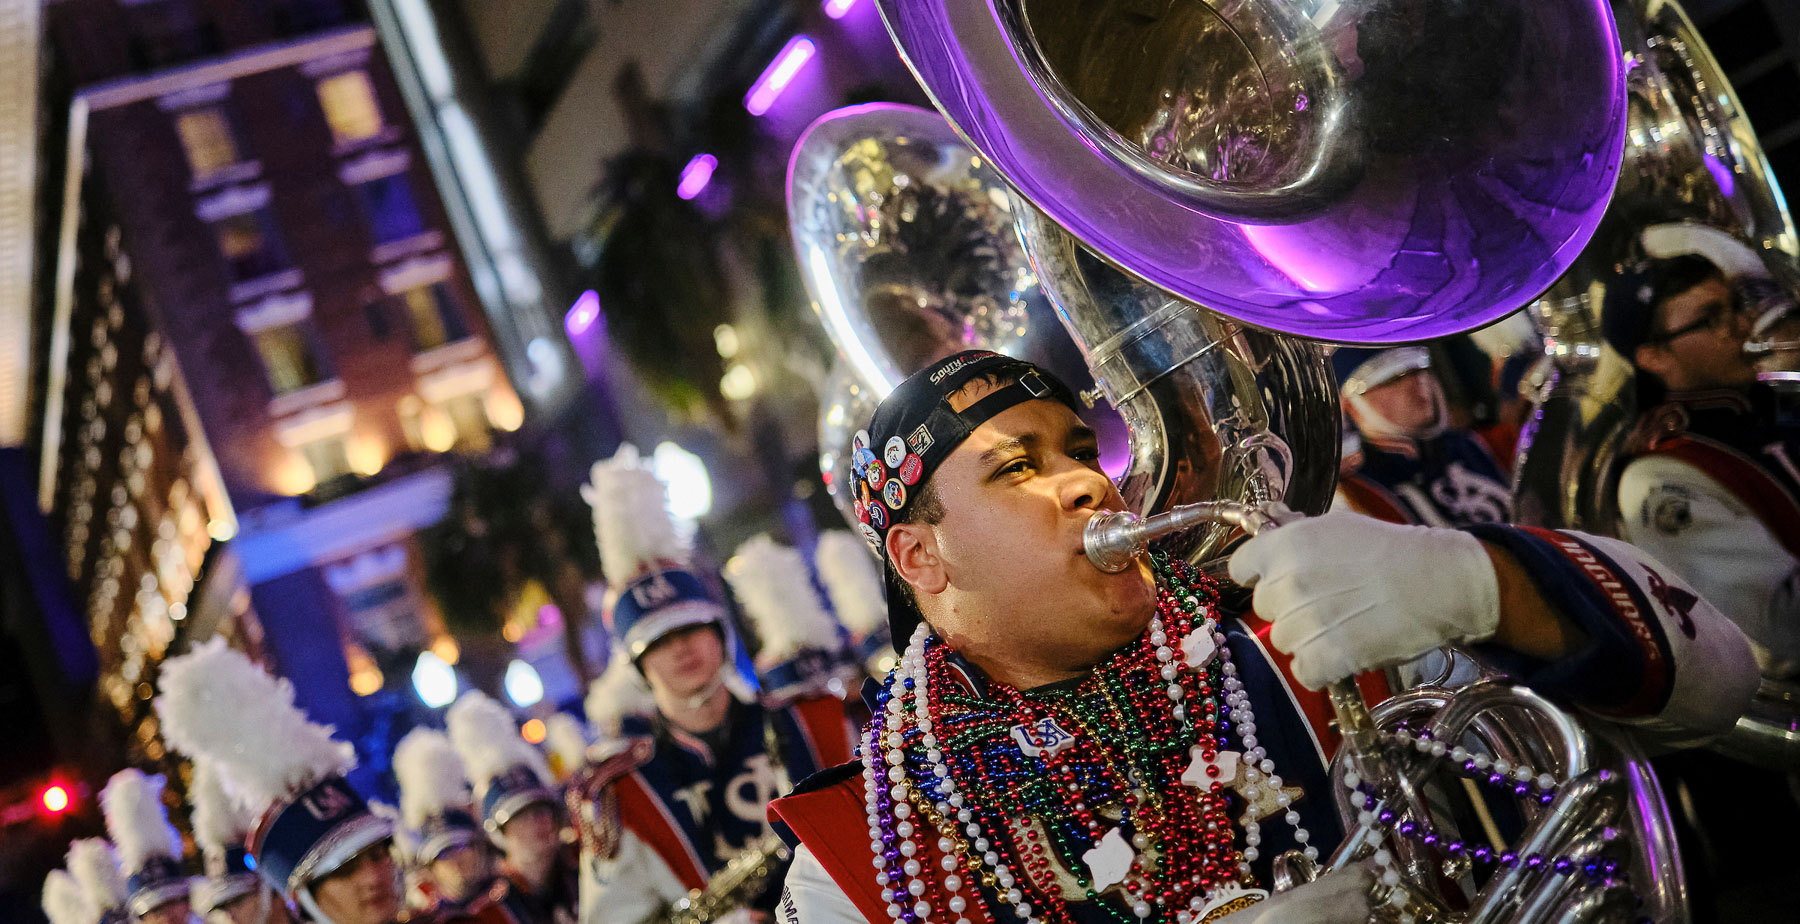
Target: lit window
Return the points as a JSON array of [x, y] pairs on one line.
[[349, 103], [432, 311], [393, 214], [291, 355], [329, 457], [469, 416], [250, 245], [207, 137]]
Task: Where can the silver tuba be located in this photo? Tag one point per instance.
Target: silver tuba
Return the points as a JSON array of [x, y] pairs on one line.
[[907, 241], [1690, 155], [1365, 171]]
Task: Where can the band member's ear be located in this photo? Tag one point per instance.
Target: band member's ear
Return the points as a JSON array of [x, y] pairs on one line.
[[913, 549]]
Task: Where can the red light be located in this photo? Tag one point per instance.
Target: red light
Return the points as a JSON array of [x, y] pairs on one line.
[[54, 799]]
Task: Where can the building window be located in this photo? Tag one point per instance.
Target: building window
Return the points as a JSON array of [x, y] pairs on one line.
[[349, 103], [167, 32], [432, 312], [207, 137], [328, 457], [292, 357], [250, 245], [393, 213], [469, 416]]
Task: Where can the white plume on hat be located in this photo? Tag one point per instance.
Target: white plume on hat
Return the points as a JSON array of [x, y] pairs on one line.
[[95, 866], [486, 736], [616, 694], [406, 840], [632, 524], [852, 579], [776, 590], [218, 705], [431, 776], [136, 820], [566, 741], [66, 902], [219, 821]]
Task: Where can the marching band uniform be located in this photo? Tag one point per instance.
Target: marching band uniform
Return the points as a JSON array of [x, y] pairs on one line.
[[1375, 594], [1709, 483], [511, 776], [230, 892], [662, 810], [1438, 475], [149, 847], [434, 795], [687, 804], [217, 706]]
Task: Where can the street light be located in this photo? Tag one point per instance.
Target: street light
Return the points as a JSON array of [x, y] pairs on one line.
[[690, 488], [523, 685], [434, 680]]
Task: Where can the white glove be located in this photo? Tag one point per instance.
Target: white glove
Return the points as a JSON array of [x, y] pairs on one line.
[[1347, 593], [1338, 897]]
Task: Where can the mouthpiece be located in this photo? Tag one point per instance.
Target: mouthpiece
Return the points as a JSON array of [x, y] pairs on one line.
[[1112, 540]]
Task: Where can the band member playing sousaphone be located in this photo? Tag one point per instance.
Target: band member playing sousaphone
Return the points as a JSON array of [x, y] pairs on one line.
[[1709, 481], [666, 807], [1063, 743]]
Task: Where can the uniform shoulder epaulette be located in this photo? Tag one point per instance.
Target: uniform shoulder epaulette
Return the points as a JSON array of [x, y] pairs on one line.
[[616, 757]]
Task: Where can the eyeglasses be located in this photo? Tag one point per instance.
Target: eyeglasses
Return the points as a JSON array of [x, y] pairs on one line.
[[1719, 316]]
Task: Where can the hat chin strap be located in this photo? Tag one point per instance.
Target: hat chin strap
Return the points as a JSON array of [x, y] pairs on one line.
[[707, 692], [1377, 428], [304, 897]]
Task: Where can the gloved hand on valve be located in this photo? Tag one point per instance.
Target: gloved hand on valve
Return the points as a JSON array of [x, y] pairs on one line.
[[1348, 593], [1338, 897]]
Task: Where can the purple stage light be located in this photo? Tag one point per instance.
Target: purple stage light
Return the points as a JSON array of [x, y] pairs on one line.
[[696, 175], [837, 8], [582, 316], [780, 72]]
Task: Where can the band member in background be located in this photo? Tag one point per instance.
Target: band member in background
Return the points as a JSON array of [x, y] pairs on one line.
[[316, 841], [666, 806], [149, 848], [457, 866], [230, 892], [1054, 727], [1415, 465], [520, 809], [1710, 486]]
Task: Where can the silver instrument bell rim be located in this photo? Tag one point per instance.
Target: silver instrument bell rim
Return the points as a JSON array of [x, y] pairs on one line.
[[1112, 213]]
